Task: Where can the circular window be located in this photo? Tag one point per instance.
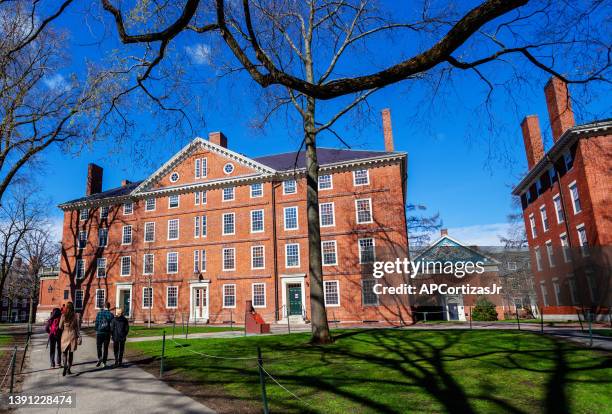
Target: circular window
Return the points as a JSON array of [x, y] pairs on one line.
[[174, 177], [228, 168]]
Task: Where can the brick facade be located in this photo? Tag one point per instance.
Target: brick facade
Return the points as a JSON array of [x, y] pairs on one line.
[[384, 192]]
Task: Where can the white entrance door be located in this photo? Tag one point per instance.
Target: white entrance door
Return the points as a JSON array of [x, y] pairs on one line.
[[200, 302]]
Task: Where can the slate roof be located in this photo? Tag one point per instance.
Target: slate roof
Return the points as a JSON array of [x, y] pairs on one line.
[[113, 192], [286, 161]]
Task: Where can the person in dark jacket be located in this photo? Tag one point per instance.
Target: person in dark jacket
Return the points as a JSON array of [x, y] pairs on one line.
[[119, 331], [55, 336], [103, 331]]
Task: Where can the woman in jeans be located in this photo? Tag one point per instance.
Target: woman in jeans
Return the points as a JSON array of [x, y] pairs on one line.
[[55, 334], [70, 326]]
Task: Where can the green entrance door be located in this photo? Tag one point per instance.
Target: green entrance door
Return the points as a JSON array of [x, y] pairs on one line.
[[295, 299], [126, 302]]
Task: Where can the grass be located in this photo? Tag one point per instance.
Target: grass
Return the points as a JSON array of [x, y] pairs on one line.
[[142, 331], [603, 332], [368, 371]]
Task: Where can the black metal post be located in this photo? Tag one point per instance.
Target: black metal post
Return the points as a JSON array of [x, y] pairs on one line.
[[25, 351], [161, 364], [173, 326], [470, 317], [580, 320], [13, 363], [231, 320], [187, 330], [288, 323], [262, 380]]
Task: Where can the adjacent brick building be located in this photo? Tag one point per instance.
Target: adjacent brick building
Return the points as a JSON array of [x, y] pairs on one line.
[[212, 229], [566, 198]]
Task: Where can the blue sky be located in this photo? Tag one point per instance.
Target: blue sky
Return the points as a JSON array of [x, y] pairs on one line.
[[457, 166]]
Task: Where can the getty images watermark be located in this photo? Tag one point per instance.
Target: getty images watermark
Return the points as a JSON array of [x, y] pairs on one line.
[[423, 267]]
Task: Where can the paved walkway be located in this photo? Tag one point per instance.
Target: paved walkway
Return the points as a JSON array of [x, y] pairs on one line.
[[101, 390]]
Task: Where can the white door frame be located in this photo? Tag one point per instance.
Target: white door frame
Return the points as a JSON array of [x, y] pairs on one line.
[[192, 286], [290, 279], [458, 299], [124, 286]]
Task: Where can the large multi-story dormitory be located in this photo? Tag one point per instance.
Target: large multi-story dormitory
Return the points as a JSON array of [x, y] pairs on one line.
[[212, 229]]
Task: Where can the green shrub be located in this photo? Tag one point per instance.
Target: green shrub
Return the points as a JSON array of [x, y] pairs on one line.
[[484, 310]]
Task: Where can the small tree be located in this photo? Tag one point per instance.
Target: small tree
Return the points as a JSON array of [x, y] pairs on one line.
[[484, 310]]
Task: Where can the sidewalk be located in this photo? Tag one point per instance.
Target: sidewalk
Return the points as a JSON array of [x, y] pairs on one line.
[[101, 390]]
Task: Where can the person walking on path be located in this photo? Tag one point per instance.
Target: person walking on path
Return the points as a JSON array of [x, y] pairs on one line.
[[55, 335], [119, 331], [70, 326], [103, 331]]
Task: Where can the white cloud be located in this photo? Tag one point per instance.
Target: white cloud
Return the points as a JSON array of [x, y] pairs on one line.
[[56, 81], [56, 225], [480, 234], [199, 53]]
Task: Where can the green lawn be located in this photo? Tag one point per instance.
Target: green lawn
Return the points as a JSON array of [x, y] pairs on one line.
[[5, 340], [401, 371], [141, 331], [603, 332]]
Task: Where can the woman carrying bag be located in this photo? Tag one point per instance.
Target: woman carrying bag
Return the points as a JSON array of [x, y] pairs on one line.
[[70, 325]]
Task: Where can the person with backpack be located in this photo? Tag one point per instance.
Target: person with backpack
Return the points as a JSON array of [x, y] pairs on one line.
[[55, 336], [70, 325], [103, 331], [119, 331]]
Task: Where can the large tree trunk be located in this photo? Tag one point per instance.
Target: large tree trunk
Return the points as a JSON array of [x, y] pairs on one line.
[[320, 328]]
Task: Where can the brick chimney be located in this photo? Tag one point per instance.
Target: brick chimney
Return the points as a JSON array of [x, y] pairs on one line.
[[559, 107], [387, 130], [443, 232], [94, 179], [532, 137], [218, 138], [125, 182]]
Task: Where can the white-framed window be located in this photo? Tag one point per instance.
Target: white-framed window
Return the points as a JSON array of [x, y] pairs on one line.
[[538, 256], [172, 262], [196, 261], [229, 296], [148, 264], [100, 298], [257, 221], [544, 217], [173, 229], [363, 209], [291, 218], [368, 297], [201, 168], [325, 182], [329, 253], [544, 292], [128, 208], [78, 299], [258, 295], [101, 271], [512, 266], [196, 226], [558, 208], [361, 177], [228, 193], [573, 190], [556, 290], [367, 253], [331, 289], [83, 214], [147, 297], [229, 223], [171, 297], [256, 190], [149, 230], [150, 204], [126, 237], [292, 255], [228, 168], [532, 224], [174, 201], [103, 212], [200, 197], [229, 258], [126, 265], [258, 260], [80, 268], [82, 239], [289, 187], [582, 239], [550, 253], [202, 260], [565, 247], [102, 237], [326, 214], [204, 224]]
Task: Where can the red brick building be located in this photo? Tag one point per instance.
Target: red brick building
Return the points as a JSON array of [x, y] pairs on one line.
[[211, 229], [566, 198]]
